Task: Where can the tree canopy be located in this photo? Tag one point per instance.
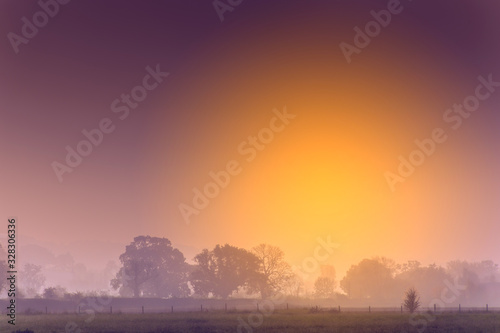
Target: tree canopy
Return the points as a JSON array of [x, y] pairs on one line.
[[224, 270], [152, 267]]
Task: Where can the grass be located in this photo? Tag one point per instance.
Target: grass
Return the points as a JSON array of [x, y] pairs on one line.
[[293, 321]]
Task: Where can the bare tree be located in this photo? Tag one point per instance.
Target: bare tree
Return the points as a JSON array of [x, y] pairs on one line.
[[412, 300], [274, 271]]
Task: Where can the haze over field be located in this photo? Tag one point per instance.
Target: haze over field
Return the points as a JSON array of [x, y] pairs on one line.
[[319, 172]]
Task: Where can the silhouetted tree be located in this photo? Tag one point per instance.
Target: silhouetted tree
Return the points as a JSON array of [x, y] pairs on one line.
[[273, 271], [476, 279], [152, 267], [32, 279], [412, 300], [368, 279], [428, 280], [223, 270], [324, 287], [294, 286]]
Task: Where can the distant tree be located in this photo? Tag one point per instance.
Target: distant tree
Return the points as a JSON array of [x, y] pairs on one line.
[[77, 296], [410, 265], [223, 270], [428, 280], [32, 279], [3, 269], [368, 279], [151, 267], [388, 263], [412, 300], [324, 287], [273, 271], [473, 272], [54, 292], [294, 286], [474, 280]]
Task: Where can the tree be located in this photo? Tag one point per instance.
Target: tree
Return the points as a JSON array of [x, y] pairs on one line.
[[152, 267], [54, 292], [223, 270], [428, 280], [412, 300], [32, 279], [369, 279], [3, 269], [294, 286], [273, 271], [324, 287]]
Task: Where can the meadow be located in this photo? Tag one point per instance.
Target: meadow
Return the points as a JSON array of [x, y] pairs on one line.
[[297, 320]]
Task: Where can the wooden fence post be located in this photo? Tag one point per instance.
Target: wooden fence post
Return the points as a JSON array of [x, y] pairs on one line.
[[201, 307], [46, 311], [459, 308], [225, 307], [339, 308], [369, 308], [401, 309], [434, 307], [486, 307], [287, 306]]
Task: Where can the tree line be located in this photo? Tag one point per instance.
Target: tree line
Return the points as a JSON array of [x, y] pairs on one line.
[[151, 267]]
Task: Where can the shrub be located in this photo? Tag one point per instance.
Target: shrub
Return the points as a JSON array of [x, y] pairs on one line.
[[412, 300]]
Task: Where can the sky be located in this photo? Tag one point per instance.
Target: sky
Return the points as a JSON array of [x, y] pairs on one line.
[[214, 91]]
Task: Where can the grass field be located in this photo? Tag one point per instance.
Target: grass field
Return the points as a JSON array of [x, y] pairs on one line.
[[282, 321]]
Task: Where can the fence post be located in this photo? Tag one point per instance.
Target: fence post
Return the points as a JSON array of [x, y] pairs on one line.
[[369, 308], [339, 308], [172, 309], [201, 307], [459, 308], [434, 307], [486, 307], [46, 311], [143, 309], [225, 307], [287, 306], [401, 309]]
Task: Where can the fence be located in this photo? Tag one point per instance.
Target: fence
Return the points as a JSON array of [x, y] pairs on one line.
[[145, 306]]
